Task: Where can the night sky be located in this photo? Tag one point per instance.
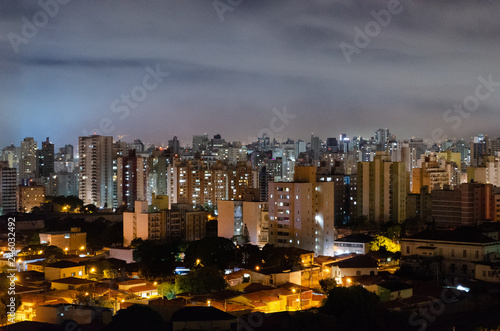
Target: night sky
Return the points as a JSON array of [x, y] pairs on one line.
[[228, 71]]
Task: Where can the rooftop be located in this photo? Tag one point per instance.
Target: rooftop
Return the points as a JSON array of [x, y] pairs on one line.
[[133, 282], [395, 286], [63, 264], [72, 281], [358, 238], [359, 261], [465, 234], [142, 288]]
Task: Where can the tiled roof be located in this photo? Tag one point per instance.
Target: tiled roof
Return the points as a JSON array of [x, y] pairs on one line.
[[133, 282], [72, 281], [143, 288]]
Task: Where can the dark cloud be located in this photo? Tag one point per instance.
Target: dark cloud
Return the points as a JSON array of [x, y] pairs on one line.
[[227, 76]]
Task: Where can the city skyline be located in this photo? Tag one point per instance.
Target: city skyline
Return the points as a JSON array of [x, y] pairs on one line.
[[188, 143], [225, 70]]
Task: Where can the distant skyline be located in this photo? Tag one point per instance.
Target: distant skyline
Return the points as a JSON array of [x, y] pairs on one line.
[[225, 72]]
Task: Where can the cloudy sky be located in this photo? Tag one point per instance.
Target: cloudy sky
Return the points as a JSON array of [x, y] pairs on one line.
[[224, 70]]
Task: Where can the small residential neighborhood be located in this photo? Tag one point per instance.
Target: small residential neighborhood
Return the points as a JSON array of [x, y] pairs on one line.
[[216, 283]]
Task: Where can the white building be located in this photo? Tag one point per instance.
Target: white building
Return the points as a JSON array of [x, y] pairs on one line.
[[233, 216]]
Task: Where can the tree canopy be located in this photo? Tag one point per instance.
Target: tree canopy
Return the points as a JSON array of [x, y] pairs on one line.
[[348, 304], [156, 260], [355, 308], [217, 251], [5, 298], [202, 280], [384, 243]]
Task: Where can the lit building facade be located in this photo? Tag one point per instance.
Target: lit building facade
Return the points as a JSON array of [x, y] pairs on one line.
[[28, 161], [30, 196], [301, 213], [96, 170], [234, 216], [382, 187], [131, 179]]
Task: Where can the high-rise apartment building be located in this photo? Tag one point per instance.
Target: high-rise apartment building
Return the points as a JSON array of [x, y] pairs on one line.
[[433, 173], [8, 189], [465, 206], [46, 159], [157, 173], [63, 183], [265, 177], [236, 217], [301, 213], [199, 183], [30, 196], [315, 146], [344, 196], [141, 223], [174, 145], [200, 142], [96, 170], [131, 179], [488, 173], [28, 161], [479, 149], [382, 187], [64, 160], [381, 137]]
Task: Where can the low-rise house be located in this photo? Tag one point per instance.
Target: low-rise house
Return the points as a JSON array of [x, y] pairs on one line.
[[391, 290], [69, 241], [354, 243], [355, 266], [454, 253], [70, 283], [265, 301], [139, 287], [82, 315], [286, 297], [488, 272], [275, 276], [237, 277], [63, 269], [36, 266]]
